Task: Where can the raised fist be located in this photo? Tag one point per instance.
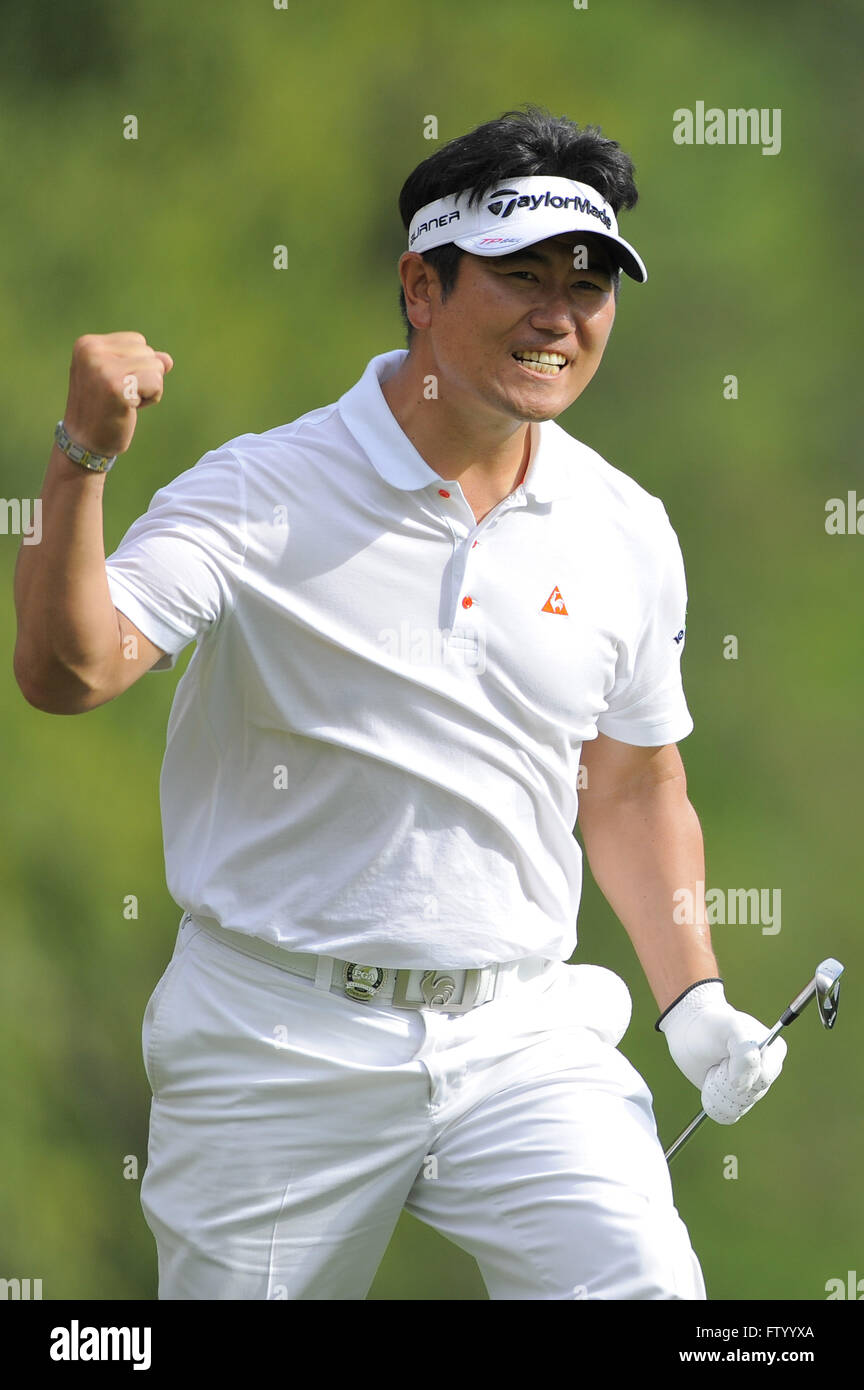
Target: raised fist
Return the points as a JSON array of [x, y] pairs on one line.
[[112, 376]]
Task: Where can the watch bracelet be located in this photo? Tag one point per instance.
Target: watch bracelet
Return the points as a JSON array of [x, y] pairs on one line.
[[87, 458]]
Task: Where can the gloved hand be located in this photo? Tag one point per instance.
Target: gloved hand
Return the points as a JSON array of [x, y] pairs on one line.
[[717, 1049]]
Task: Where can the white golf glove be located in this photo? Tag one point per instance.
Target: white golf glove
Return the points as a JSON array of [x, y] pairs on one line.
[[717, 1049]]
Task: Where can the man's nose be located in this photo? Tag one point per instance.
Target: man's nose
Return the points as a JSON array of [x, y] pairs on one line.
[[555, 315]]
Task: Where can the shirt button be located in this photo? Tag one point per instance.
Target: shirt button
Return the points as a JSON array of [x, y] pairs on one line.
[[442, 492], [467, 601]]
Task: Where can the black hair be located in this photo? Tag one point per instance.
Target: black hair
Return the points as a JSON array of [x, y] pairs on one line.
[[518, 144]]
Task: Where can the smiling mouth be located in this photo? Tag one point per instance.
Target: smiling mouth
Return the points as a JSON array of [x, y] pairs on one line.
[[541, 363]]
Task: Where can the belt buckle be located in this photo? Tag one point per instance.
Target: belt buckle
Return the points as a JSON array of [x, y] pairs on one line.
[[362, 982], [437, 988]]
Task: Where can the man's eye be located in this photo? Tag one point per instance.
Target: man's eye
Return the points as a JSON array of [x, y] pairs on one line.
[[580, 284]]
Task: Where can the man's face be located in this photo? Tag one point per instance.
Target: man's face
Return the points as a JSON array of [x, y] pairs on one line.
[[530, 301]]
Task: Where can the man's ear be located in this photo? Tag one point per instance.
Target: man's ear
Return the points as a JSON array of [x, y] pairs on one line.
[[419, 285]]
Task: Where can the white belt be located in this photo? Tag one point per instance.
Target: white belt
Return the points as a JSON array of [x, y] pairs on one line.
[[441, 990]]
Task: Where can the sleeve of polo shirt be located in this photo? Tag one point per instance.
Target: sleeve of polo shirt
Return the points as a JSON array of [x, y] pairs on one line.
[[175, 572], [646, 705]]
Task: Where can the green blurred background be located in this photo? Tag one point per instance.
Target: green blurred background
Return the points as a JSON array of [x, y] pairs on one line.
[[260, 127]]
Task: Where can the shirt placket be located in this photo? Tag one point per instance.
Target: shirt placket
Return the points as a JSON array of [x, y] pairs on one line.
[[467, 587]]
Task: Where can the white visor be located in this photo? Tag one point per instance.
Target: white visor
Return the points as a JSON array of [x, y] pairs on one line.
[[517, 213]]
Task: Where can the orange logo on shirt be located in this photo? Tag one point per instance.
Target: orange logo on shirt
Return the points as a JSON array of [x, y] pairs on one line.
[[555, 603]]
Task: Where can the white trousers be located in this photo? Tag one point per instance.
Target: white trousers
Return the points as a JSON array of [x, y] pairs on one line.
[[290, 1126]]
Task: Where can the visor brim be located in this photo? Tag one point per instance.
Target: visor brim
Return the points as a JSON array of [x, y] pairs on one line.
[[489, 244]]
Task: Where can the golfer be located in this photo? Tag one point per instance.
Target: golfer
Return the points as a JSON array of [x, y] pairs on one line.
[[430, 628]]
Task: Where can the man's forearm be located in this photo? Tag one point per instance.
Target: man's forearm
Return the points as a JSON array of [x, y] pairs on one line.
[[641, 849], [69, 635], [67, 624]]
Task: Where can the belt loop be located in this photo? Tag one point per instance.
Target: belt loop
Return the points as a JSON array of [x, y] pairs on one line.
[[323, 972]]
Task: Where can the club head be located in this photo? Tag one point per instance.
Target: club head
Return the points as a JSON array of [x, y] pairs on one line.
[[827, 981]]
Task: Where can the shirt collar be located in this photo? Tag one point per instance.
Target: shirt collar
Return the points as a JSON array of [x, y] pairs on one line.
[[374, 426], [371, 421]]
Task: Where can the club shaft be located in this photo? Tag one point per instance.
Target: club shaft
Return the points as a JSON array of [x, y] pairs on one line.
[[685, 1134]]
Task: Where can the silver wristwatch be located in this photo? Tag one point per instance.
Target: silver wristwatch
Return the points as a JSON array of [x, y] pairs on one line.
[[97, 463]]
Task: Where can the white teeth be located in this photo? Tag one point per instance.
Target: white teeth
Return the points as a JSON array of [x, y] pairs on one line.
[[542, 368], [554, 358], [546, 363]]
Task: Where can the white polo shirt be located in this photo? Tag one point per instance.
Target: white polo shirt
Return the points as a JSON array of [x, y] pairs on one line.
[[374, 751]]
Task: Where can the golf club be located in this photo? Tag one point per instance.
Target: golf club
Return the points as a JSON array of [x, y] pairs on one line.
[[825, 986]]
